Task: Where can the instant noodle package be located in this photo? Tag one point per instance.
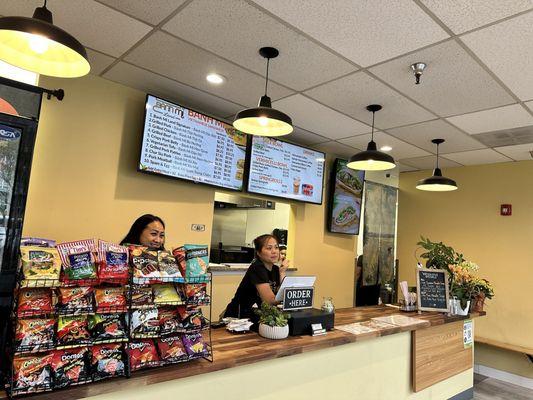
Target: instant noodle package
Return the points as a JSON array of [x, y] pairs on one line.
[[79, 259], [41, 266]]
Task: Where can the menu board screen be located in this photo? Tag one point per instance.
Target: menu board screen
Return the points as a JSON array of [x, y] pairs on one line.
[[186, 144], [285, 170]]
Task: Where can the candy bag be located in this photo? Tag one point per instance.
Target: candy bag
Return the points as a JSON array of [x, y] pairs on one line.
[[32, 374], [169, 321], [34, 334], [142, 297], [73, 331], [113, 263], [70, 367], [143, 354], [192, 259], [195, 345], [75, 300], [34, 302], [166, 294], [107, 361], [107, 327], [110, 300], [171, 349], [78, 259], [40, 266], [144, 323]]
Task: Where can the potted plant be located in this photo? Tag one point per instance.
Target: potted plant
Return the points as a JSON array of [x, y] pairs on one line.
[[273, 323], [438, 255], [482, 289]]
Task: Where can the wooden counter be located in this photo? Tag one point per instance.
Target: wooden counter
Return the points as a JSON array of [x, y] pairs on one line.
[[233, 350]]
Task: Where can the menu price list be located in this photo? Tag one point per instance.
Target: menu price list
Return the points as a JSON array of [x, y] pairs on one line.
[[282, 169], [185, 144]]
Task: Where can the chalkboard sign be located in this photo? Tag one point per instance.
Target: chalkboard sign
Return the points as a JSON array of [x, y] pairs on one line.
[[432, 289], [297, 298]]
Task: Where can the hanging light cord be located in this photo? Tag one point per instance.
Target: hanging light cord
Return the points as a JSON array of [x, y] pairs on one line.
[[437, 155], [266, 82], [44, 3], [373, 115]]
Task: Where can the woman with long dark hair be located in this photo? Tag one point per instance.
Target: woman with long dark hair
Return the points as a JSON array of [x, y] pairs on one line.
[[147, 230]]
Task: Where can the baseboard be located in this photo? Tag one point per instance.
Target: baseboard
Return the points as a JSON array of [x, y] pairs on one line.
[[504, 376], [467, 394]]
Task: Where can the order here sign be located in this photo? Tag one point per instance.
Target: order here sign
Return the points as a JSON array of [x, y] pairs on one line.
[[296, 298]]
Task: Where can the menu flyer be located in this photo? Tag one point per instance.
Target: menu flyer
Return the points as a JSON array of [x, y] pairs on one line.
[[285, 170], [186, 144]]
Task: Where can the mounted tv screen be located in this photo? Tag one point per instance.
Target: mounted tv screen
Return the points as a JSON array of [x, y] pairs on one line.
[[282, 169], [185, 144]]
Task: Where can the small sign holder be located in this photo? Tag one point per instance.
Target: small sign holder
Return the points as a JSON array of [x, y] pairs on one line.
[[435, 280], [298, 298]]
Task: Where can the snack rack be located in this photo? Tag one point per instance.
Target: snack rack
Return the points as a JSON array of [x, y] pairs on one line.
[[54, 284]]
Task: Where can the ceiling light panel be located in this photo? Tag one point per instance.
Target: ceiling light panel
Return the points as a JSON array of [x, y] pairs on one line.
[[365, 32], [352, 93], [453, 82], [236, 30], [507, 117], [502, 47], [190, 65]]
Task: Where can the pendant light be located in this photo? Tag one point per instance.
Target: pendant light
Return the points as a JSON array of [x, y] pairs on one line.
[[37, 45], [437, 182], [264, 120], [371, 159]]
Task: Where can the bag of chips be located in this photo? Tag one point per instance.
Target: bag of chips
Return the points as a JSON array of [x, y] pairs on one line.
[[169, 321], [143, 354], [34, 335], [171, 349], [144, 323], [113, 263], [40, 242], [70, 367], [192, 319], [195, 345], [40, 266], [167, 265], [107, 361], [144, 262], [192, 259], [34, 302], [107, 327], [75, 300], [196, 293], [73, 331], [31, 374], [110, 300], [166, 294], [78, 258], [142, 297]]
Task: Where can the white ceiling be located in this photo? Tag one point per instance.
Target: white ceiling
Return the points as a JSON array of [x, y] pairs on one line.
[[336, 57]]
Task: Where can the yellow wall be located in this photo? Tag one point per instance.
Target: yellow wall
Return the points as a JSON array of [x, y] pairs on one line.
[[84, 184], [468, 220]]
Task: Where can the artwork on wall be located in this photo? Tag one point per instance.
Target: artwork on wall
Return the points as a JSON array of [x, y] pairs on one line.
[[346, 193], [378, 234]]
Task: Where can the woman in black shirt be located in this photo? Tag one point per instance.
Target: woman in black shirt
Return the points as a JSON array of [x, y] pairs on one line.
[[262, 280]]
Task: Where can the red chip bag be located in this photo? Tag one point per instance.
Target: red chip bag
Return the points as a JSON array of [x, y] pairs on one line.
[[31, 374], [69, 367], [34, 335], [143, 354], [172, 349], [34, 302], [107, 361], [110, 300], [73, 331], [113, 262]]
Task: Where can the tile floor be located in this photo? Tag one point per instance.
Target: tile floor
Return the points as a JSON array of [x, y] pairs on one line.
[[493, 389]]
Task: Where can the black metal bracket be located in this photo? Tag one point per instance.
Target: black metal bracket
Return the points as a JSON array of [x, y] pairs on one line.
[[57, 93]]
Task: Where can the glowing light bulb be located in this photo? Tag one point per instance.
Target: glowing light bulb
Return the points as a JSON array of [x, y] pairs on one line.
[[38, 43], [263, 121], [370, 161]]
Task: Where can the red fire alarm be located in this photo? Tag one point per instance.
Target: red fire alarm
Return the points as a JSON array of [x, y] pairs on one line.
[[506, 209]]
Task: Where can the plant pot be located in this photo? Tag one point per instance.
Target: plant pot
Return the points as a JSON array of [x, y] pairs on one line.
[[477, 303], [455, 307], [274, 332]]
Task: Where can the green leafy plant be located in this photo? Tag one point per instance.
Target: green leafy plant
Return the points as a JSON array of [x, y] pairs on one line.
[[438, 255], [271, 315]]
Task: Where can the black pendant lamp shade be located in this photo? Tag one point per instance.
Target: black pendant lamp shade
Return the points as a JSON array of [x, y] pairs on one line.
[[264, 120], [371, 159], [36, 44], [437, 182]]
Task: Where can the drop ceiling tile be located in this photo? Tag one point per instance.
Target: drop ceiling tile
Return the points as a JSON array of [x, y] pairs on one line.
[[319, 119], [429, 162], [421, 135], [453, 82], [399, 149], [176, 59], [496, 119], [365, 32], [237, 31], [353, 93], [506, 49], [529, 104], [337, 149], [153, 11], [405, 168], [301, 136], [520, 152], [98, 61], [477, 157], [157, 85], [462, 16]]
